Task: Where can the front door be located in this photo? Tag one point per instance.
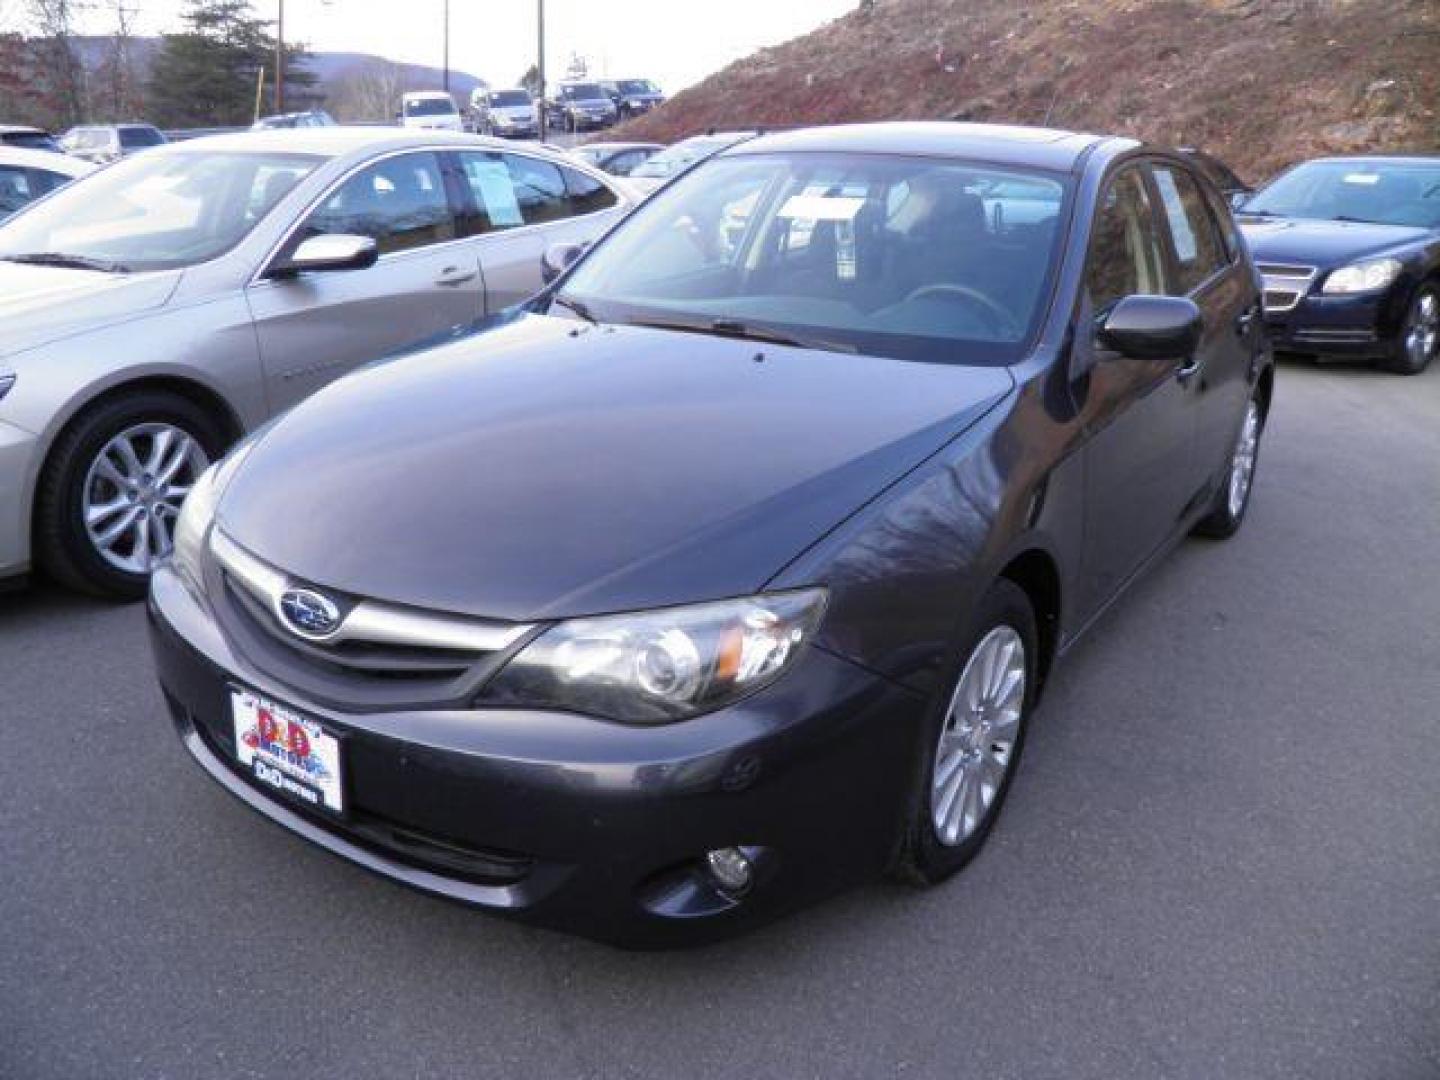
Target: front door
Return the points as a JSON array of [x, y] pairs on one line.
[[1139, 415], [315, 327]]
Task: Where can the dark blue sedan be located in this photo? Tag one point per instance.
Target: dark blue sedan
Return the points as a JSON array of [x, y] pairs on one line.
[[1350, 251]]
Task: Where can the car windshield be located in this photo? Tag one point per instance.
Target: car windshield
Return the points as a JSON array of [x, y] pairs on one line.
[[136, 138], [636, 86], [584, 92], [509, 99], [1387, 193], [429, 106], [157, 211], [897, 256]]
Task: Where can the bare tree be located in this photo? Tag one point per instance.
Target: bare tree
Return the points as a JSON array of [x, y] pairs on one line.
[[118, 79], [62, 70], [368, 94]]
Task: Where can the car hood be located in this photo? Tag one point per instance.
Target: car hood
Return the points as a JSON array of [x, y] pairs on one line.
[[40, 304], [1326, 244], [548, 468]]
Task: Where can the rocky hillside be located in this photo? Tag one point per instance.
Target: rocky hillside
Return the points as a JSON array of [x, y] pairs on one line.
[[1260, 82]]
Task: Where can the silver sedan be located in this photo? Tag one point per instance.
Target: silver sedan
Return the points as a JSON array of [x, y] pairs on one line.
[[154, 312]]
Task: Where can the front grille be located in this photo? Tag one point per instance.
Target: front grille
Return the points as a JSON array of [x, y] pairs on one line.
[[1285, 284], [380, 656]]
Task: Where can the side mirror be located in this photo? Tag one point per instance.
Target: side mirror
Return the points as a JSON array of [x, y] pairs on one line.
[[326, 254], [1152, 327], [558, 258]]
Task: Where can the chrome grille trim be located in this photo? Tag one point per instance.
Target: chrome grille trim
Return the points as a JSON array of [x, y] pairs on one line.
[[1285, 284], [369, 621]]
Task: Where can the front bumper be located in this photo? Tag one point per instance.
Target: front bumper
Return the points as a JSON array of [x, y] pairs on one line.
[[575, 823], [1359, 326], [18, 450]]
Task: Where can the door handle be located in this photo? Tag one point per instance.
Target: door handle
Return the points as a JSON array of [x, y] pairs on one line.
[[1188, 368], [1245, 321], [455, 275]]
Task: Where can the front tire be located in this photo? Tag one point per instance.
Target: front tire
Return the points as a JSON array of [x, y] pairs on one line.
[[1419, 338], [1227, 512], [972, 740], [112, 488]]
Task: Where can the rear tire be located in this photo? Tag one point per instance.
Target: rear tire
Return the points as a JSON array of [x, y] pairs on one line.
[[74, 488], [1419, 338], [972, 740]]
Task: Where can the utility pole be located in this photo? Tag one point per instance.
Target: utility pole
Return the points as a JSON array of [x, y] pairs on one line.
[[280, 59], [540, 66], [445, 84]]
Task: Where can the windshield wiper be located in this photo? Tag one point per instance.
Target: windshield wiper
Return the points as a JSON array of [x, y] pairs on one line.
[[734, 328], [1355, 220], [571, 304], [72, 262]]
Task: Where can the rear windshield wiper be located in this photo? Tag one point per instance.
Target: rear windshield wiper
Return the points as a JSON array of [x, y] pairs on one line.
[[72, 262], [734, 328]]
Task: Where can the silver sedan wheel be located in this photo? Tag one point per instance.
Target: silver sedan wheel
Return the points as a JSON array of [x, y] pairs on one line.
[[133, 491], [977, 740], [1242, 464], [1423, 333]]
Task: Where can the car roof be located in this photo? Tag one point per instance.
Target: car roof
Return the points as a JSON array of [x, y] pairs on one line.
[[329, 141], [1379, 159], [21, 129], [1000, 144], [426, 94], [47, 160], [618, 146]]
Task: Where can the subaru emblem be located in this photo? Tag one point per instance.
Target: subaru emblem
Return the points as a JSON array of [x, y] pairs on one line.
[[308, 613]]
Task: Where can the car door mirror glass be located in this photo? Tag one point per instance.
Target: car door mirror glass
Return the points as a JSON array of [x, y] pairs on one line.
[[1152, 327], [330, 253], [558, 258]]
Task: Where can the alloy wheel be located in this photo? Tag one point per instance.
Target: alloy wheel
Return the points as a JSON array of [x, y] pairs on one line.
[[978, 737], [1423, 332], [133, 491], [1242, 463]]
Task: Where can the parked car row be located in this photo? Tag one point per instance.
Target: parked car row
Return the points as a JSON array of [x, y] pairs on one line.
[[763, 505]]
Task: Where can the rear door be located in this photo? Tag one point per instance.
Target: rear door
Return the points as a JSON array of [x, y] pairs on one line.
[[1210, 269], [518, 205], [1139, 415], [316, 327]]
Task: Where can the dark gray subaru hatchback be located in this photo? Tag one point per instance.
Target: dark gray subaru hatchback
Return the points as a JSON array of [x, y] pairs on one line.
[[730, 569]]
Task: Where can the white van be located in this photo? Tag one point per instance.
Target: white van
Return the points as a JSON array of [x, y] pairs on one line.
[[432, 109]]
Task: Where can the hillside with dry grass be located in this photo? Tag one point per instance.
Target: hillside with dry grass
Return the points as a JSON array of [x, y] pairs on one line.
[[1262, 83]]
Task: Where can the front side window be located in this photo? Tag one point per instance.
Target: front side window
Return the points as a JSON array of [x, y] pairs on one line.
[[400, 202], [160, 210], [587, 195], [1124, 257], [1198, 250], [885, 254]]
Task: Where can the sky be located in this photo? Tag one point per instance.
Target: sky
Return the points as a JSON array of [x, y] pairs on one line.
[[674, 42]]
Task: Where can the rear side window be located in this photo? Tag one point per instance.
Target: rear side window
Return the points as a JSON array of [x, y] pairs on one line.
[[19, 186], [1198, 249], [399, 202], [587, 195]]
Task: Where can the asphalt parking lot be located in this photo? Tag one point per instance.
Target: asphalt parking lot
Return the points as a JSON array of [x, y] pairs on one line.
[[1221, 858]]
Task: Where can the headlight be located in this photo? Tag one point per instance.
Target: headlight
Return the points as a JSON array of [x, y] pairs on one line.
[[6, 382], [197, 514], [655, 666], [1363, 276]]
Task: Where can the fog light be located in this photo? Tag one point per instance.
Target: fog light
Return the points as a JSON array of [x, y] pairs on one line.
[[730, 868]]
